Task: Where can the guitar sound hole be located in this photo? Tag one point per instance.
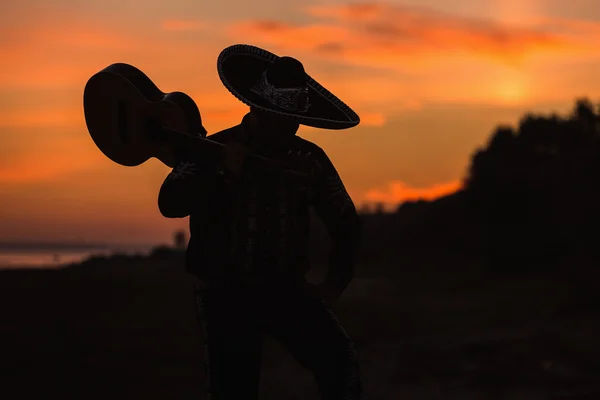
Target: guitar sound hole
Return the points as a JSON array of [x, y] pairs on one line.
[[122, 122]]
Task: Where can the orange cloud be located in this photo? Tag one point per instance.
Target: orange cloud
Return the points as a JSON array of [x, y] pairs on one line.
[[363, 12], [45, 55], [290, 36], [398, 192], [396, 37], [76, 32], [183, 25], [584, 28], [437, 30], [61, 51]]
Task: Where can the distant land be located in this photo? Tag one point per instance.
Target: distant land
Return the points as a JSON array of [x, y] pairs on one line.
[[63, 246]]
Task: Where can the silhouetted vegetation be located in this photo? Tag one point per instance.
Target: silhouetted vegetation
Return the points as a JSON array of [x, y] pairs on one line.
[[535, 189], [530, 199]]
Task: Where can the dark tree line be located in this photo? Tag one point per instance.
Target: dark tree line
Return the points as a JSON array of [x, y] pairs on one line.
[[536, 189]]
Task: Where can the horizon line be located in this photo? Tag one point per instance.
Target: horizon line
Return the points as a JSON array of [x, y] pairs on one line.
[[39, 244]]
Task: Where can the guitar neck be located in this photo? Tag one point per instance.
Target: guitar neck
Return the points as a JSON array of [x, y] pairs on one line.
[[202, 143], [197, 142], [206, 145]]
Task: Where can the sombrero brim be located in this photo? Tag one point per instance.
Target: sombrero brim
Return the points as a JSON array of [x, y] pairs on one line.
[[240, 66]]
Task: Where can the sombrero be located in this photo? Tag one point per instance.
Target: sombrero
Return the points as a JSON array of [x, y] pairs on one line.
[[279, 85]]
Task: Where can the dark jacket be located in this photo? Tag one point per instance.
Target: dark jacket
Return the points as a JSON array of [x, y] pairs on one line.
[[257, 226]]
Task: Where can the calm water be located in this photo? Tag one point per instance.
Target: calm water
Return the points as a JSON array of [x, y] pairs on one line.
[[49, 258]]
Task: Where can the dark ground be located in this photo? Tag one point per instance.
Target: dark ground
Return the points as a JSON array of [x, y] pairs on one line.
[[431, 326]]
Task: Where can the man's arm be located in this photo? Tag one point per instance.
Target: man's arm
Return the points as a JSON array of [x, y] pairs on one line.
[[335, 208], [186, 186]]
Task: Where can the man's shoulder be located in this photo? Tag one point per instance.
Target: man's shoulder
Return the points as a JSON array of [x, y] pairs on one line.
[[224, 135], [305, 145]]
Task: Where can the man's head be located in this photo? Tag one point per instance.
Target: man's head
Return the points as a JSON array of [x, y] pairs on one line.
[[284, 85], [270, 126]]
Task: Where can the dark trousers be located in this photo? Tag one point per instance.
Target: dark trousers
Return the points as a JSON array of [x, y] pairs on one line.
[[234, 322]]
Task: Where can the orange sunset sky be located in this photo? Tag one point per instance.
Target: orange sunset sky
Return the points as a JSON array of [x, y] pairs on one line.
[[429, 78]]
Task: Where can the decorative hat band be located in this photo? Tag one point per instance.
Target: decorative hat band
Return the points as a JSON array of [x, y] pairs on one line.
[[290, 99]]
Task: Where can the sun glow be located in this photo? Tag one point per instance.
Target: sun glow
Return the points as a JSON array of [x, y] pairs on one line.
[[511, 92]]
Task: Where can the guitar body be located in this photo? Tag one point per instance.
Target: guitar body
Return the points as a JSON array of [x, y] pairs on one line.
[[122, 108]]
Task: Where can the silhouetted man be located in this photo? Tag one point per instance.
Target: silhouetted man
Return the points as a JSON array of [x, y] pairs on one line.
[[249, 229]]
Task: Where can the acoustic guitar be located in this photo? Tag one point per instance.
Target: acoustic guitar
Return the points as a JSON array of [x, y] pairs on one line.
[[131, 120]]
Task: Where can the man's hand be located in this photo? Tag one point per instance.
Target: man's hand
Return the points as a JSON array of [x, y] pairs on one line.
[[301, 161], [327, 293]]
